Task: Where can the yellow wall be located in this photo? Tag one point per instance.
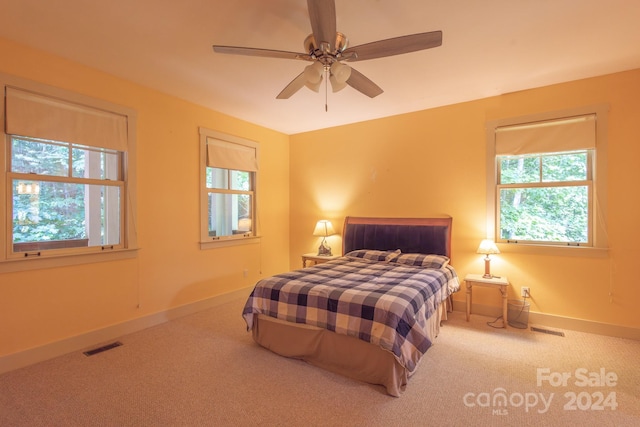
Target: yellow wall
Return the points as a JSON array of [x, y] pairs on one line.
[[420, 164], [44, 306], [432, 162]]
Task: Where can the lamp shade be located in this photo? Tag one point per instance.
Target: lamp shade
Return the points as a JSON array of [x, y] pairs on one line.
[[313, 76], [324, 228], [341, 72], [336, 86], [244, 224], [487, 247]]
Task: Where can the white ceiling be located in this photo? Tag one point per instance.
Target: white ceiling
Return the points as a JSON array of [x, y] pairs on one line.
[[489, 48]]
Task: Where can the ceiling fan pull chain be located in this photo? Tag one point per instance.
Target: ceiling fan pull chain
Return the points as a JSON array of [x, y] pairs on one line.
[[326, 90]]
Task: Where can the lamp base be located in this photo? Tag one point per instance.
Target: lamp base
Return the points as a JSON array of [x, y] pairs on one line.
[[324, 249], [487, 268]]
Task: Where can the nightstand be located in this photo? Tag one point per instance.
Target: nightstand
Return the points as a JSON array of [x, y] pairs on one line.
[[500, 283], [317, 259]]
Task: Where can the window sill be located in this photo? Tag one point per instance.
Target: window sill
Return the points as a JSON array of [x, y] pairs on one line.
[[223, 243], [553, 250], [26, 264]]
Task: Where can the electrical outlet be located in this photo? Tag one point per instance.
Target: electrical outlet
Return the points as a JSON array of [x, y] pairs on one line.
[[524, 292]]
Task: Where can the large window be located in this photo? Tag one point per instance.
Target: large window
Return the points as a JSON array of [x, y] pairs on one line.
[[64, 196], [547, 183], [66, 180], [229, 183]]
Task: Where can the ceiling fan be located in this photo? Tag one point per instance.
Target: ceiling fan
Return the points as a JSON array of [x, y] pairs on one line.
[[326, 49]]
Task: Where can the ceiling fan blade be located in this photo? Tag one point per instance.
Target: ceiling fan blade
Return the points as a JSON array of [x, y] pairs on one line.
[[294, 86], [322, 14], [394, 46], [359, 82], [268, 53]]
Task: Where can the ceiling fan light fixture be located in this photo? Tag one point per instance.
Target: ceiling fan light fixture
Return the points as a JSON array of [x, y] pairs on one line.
[[314, 86], [313, 73], [341, 72], [335, 84]]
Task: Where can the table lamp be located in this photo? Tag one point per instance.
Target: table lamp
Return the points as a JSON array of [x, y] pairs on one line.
[[324, 229], [487, 247]]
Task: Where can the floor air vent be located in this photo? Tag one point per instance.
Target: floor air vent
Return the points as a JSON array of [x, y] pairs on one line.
[[547, 331], [103, 348]]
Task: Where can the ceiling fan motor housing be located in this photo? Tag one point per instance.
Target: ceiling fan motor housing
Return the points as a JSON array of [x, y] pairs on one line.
[[326, 53]]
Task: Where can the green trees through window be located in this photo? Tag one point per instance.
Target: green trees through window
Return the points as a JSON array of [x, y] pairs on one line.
[[63, 193], [545, 197]]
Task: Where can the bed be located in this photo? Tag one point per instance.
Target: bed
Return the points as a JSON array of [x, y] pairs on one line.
[[370, 314]]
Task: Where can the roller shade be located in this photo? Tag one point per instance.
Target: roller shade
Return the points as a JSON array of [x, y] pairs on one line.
[[40, 116], [573, 133], [228, 155]]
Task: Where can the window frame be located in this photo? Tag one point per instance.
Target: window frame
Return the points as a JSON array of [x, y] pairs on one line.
[[206, 241], [10, 261], [598, 194]]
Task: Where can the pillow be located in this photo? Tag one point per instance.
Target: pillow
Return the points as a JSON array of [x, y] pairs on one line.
[[422, 260], [374, 255]]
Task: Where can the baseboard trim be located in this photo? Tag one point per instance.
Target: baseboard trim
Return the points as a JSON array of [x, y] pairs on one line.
[[582, 325], [34, 355], [31, 356], [558, 322]]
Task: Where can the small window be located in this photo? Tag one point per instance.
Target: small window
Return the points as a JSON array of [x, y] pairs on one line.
[[545, 198], [229, 187]]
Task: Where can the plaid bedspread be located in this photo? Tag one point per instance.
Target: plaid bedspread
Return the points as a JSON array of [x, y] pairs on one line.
[[386, 304]]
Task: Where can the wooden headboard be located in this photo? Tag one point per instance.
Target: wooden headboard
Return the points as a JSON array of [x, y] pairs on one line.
[[410, 235]]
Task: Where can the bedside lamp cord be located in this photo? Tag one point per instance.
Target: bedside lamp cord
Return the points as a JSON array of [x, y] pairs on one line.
[[493, 325]]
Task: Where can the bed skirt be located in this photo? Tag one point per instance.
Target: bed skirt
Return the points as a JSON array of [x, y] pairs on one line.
[[341, 354]]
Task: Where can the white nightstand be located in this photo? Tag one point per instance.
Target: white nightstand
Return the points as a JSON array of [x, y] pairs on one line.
[[317, 259], [500, 283]]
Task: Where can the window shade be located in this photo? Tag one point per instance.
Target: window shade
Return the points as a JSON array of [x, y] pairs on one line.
[[573, 133], [228, 155], [40, 116]]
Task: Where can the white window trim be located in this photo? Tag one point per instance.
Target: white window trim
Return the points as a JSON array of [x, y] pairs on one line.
[[206, 243], [130, 244], [599, 211]]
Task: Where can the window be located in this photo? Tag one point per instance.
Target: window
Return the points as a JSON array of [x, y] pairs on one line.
[[64, 196], [67, 186], [548, 177], [545, 197], [228, 194]]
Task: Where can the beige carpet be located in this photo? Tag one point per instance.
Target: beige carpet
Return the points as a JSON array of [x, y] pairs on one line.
[[205, 370]]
